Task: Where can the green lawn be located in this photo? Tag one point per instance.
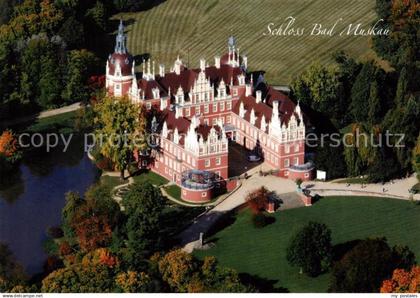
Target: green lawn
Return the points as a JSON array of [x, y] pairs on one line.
[[151, 177], [261, 252], [111, 182], [63, 123], [197, 29], [174, 191]]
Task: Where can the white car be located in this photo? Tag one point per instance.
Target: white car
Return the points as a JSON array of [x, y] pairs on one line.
[[254, 158]]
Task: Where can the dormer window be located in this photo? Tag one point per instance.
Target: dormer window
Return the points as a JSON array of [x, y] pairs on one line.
[[156, 94], [241, 80]]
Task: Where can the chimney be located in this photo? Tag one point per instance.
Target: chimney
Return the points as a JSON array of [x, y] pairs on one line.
[[275, 109], [217, 62], [178, 112], [245, 62], [258, 96], [162, 70], [248, 90], [202, 64], [177, 69], [163, 103]]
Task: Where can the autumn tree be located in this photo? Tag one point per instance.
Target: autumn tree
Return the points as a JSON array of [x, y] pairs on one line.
[[311, 249], [90, 219], [185, 274], [134, 282], [9, 147], [219, 279], [177, 268], [32, 17], [258, 199], [93, 232], [122, 127], [95, 218], [79, 279], [401, 18], [403, 281]]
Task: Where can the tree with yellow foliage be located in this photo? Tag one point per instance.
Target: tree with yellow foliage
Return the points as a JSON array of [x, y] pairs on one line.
[[122, 127]]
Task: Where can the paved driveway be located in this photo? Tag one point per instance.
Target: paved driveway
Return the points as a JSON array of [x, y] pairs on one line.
[[283, 188]]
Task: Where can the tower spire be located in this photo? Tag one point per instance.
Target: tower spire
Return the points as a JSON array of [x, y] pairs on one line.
[[121, 40]]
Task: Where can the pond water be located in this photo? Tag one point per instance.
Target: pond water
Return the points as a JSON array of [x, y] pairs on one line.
[[32, 198]]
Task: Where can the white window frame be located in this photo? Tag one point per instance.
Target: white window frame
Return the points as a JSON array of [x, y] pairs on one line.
[[229, 105]]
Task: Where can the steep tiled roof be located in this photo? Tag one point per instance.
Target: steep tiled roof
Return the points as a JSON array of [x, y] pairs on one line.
[[147, 86], [185, 79], [265, 107], [226, 72], [172, 122], [204, 130]]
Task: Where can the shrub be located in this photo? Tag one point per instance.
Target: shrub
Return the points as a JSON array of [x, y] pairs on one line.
[[258, 199]]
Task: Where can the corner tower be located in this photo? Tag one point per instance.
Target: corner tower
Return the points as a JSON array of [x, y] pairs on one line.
[[120, 67]]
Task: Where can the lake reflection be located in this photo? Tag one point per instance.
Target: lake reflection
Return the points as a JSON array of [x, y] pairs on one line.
[[34, 200]]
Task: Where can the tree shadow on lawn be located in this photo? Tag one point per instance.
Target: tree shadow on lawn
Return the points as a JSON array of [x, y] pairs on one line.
[[227, 219], [263, 285], [339, 250]]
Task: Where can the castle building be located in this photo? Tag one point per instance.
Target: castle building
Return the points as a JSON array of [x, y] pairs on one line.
[[198, 112]]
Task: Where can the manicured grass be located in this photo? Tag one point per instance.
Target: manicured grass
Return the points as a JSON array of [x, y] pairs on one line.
[[174, 191], [63, 123], [197, 29], [262, 252], [111, 182], [151, 177]]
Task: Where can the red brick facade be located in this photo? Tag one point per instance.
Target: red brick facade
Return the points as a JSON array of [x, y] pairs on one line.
[[196, 111]]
